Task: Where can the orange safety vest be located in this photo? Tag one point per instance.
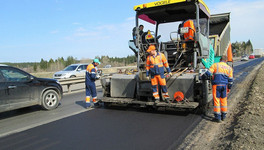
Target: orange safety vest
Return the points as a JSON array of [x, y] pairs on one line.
[[90, 73], [155, 64], [222, 73], [190, 34]]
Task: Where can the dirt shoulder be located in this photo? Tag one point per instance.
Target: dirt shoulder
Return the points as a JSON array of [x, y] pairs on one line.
[[244, 126]]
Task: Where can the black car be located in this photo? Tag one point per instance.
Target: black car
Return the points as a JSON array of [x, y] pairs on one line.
[[20, 89]]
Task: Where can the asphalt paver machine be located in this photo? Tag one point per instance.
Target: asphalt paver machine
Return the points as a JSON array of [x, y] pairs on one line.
[[187, 50]]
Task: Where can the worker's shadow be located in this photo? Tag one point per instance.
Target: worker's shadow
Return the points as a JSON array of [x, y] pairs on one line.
[[207, 117], [81, 103]]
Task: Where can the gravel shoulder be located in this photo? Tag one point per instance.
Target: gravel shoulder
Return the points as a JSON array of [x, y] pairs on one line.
[[244, 126]]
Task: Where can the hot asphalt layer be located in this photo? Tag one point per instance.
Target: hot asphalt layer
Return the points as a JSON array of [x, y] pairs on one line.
[[106, 129]]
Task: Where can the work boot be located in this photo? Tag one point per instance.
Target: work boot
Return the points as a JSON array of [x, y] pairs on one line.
[[223, 117], [217, 118], [87, 105], [96, 105]]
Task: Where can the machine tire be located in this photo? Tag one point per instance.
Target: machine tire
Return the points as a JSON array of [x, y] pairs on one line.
[[50, 100]]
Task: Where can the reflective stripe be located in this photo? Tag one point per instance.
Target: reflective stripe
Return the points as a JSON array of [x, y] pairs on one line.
[[217, 70], [217, 107], [165, 94], [223, 106], [218, 113], [154, 60], [220, 73], [156, 64], [156, 93]]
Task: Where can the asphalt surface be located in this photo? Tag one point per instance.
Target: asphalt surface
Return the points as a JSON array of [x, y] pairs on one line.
[[70, 126]]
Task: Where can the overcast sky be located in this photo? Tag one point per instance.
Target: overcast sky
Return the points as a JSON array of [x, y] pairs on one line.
[[35, 29]]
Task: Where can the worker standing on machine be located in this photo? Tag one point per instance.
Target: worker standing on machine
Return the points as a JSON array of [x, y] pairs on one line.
[[90, 83], [155, 68], [222, 82]]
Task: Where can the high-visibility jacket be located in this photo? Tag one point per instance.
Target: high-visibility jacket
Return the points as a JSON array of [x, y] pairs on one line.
[[90, 73], [190, 34], [155, 65], [222, 74]]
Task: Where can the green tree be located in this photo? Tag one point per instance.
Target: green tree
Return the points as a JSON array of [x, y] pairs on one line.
[[70, 60], [35, 67], [43, 64]]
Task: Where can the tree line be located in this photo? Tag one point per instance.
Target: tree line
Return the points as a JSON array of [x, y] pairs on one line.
[[241, 48], [60, 63]]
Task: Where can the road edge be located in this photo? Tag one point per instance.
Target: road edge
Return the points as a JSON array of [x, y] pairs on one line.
[[207, 131]]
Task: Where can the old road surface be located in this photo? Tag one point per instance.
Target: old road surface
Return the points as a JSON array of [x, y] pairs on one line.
[[70, 126]]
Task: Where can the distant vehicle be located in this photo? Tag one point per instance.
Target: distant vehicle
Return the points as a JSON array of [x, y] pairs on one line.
[[252, 56], [20, 89], [71, 71], [244, 58], [107, 66], [258, 52]]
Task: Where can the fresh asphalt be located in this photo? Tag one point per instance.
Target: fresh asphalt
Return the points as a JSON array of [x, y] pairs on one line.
[[111, 129]]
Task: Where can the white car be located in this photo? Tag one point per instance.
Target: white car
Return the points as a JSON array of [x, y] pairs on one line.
[[244, 58], [71, 71]]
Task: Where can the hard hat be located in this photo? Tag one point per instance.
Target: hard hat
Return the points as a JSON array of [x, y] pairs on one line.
[[96, 61], [151, 48]]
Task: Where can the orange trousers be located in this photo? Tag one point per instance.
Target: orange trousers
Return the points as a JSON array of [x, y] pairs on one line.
[[157, 79], [220, 99]]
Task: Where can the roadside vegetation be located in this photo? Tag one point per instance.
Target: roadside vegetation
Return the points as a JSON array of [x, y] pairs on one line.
[[50, 66], [241, 48]]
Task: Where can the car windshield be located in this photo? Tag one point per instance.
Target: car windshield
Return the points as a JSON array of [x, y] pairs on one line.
[[70, 68]]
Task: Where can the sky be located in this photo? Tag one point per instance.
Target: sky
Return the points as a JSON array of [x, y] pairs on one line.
[[31, 30]]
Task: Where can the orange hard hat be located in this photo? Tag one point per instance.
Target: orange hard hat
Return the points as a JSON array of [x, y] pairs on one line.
[[151, 48]]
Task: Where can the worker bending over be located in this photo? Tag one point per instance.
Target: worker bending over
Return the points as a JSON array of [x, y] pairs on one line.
[[155, 68], [222, 81], [90, 83]]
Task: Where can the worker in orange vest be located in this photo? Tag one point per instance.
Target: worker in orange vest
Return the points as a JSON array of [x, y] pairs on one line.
[[155, 68], [191, 29], [222, 82], [90, 83]]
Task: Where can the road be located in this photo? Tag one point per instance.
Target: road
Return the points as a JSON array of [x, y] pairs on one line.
[[70, 126]]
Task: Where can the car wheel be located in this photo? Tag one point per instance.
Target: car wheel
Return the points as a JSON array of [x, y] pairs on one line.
[[50, 100]]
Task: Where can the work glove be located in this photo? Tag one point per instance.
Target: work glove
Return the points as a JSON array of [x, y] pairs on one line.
[[170, 74]]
